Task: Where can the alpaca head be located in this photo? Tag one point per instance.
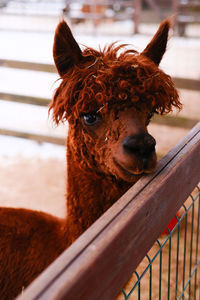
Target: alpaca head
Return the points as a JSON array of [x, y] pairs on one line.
[[108, 98]]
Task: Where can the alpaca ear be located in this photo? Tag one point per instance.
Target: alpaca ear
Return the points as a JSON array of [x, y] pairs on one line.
[[66, 51], [156, 48]]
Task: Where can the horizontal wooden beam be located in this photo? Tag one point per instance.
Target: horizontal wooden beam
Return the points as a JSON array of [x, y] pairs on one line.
[[16, 64], [33, 136], [24, 99], [175, 121], [100, 16], [101, 261], [186, 83], [104, 3]]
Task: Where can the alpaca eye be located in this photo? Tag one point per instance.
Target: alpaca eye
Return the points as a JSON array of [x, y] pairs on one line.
[[91, 119], [150, 116]]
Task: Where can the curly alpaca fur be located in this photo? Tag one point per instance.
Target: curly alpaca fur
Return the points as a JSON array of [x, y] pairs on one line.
[[108, 98]]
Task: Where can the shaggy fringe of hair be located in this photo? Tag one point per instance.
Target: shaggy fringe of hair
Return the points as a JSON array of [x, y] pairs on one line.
[[110, 77]]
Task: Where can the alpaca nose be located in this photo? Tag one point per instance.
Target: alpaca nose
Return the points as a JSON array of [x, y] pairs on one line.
[[140, 144]]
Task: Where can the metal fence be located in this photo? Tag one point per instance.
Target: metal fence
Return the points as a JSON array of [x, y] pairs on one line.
[[171, 269]]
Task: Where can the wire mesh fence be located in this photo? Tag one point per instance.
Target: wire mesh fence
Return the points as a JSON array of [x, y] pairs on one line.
[[171, 269]]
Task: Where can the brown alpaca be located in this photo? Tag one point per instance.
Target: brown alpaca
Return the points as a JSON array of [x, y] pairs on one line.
[[108, 98]]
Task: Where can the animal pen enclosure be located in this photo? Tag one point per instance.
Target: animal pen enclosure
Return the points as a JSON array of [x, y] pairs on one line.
[[101, 261]]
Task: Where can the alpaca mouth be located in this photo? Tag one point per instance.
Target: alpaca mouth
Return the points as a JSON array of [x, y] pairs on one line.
[[128, 171]]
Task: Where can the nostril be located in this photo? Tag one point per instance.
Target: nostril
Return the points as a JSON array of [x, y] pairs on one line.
[[150, 148], [129, 145], [149, 144], [145, 161], [150, 141], [141, 144]]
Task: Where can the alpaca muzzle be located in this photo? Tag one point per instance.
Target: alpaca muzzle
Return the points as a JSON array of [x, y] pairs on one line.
[[136, 156], [141, 145]]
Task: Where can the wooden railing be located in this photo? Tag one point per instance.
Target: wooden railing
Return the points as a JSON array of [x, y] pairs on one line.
[[101, 261]]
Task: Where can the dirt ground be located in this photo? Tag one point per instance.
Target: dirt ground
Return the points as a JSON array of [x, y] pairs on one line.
[[33, 183]]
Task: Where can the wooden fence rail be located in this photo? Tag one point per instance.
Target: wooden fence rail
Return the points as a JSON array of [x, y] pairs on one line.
[[16, 64], [101, 261], [24, 99], [40, 138]]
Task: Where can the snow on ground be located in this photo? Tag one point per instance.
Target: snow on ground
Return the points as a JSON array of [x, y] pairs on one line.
[[29, 118], [15, 148], [34, 180], [26, 46], [28, 83]]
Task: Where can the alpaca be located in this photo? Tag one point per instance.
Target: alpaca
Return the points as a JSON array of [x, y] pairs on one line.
[[108, 98]]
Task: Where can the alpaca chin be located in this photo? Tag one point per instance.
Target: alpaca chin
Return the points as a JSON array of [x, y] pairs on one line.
[[130, 174]]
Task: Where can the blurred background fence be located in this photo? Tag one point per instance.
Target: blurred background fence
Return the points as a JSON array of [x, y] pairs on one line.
[[186, 11]]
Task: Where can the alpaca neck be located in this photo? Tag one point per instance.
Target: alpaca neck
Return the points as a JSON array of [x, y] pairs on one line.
[[89, 195]]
